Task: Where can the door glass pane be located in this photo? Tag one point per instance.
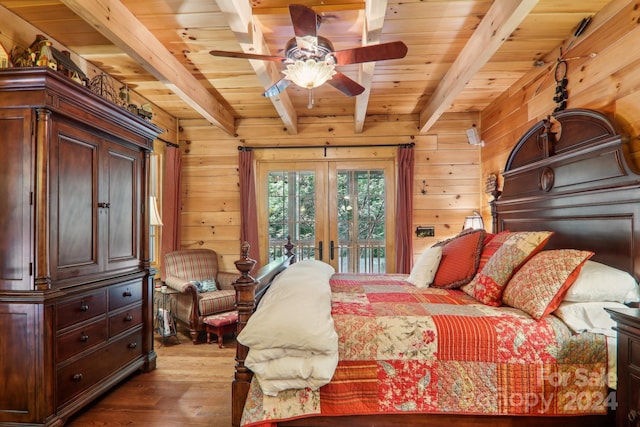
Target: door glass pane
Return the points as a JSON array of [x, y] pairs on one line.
[[361, 221], [292, 213]]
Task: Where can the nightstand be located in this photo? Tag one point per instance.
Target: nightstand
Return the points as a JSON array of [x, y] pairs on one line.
[[628, 393]]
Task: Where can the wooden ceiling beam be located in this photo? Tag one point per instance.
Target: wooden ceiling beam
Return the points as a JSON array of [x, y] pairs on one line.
[[500, 21], [375, 11], [114, 21], [249, 34]]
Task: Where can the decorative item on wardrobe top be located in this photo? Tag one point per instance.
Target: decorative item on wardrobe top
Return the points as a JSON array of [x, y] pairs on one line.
[[42, 53]]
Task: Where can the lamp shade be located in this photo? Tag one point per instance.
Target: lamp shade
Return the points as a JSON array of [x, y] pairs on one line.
[[474, 221], [154, 215]]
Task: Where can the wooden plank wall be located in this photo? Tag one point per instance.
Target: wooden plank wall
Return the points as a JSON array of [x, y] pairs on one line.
[[608, 82], [444, 160]]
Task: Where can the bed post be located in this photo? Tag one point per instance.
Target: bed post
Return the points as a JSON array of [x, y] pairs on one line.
[[289, 247], [245, 303]]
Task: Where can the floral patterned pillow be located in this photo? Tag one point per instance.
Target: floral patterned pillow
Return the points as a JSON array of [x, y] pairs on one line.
[[491, 246], [517, 247], [540, 285]]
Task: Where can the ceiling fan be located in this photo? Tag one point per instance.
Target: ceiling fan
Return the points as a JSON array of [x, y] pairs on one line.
[[310, 59]]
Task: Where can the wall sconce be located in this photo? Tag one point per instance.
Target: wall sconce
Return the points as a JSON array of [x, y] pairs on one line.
[[154, 215], [474, 221]]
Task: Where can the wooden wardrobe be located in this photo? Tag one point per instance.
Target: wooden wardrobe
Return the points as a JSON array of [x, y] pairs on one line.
[[75, 292]]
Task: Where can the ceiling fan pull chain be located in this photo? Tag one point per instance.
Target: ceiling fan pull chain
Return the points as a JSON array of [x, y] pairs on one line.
[[310, 104]]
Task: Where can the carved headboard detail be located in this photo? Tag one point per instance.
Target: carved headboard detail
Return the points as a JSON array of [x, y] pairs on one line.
[[578, 181]]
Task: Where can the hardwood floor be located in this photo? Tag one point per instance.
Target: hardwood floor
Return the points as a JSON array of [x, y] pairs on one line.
[[191, 387]]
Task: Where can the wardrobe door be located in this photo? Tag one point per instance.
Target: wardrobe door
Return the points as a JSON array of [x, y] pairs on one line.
[[76, 208], [122, 191], [16, 165]]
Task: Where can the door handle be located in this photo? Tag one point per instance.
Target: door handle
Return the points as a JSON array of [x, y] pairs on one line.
[[331, 251], [320, 250]]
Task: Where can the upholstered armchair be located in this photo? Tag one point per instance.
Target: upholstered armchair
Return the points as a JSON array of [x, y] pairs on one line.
[[184, 270]]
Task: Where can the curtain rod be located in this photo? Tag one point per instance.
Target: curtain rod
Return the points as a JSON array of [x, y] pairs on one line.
[[287, 147], [172, 144]]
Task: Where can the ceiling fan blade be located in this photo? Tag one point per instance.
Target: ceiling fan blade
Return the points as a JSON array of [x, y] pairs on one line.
[[345, 84], [376, 52], [305, 21], [277, 88], [247, 55], [305, 26]]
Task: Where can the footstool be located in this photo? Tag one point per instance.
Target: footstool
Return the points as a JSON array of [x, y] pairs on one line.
[[220, 324]]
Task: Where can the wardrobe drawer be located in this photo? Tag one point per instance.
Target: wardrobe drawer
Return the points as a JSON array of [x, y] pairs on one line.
[[80, 308], [123, 320], [89, 370], [81, 339], [125, 294]]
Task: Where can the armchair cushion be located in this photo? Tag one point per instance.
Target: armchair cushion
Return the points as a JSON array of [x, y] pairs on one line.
[[216, 302]]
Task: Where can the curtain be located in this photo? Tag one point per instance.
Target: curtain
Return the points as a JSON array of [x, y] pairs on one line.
[[404, 210], [248, 208], [171, 205]]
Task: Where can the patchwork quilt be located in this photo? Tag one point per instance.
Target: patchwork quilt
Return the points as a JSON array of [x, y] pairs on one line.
[[426, 350]]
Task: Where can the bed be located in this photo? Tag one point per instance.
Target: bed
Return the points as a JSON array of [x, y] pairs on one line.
[[480, 353]]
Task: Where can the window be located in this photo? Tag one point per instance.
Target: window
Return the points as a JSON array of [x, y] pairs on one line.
[[339, 212]]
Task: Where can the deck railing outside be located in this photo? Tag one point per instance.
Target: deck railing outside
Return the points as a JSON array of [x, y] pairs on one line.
[[368, 257]]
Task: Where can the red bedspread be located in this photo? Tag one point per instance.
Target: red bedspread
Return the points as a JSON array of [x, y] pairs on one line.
[[404, 349]]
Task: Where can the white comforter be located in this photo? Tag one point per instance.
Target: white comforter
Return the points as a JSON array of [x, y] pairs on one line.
[[291, 338]]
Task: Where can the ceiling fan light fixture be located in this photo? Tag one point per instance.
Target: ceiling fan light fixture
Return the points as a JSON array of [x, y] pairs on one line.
[[309, 73]]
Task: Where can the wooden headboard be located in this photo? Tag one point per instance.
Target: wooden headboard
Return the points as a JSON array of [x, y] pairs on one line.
[[572, 174]]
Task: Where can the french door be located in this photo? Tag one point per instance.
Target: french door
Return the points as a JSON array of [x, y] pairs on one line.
[[339, 212]]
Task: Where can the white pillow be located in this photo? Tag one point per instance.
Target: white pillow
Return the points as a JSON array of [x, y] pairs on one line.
[[588, 316], [425, 269], [600, 282]]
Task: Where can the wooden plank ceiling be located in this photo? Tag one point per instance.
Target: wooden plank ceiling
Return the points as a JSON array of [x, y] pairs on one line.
[[462, 54]]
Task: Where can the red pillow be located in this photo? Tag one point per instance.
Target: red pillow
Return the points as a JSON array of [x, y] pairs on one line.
[[460, 259], [487, 238]]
